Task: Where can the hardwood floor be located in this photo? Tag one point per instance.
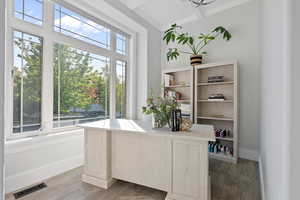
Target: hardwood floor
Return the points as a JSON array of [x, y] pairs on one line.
[[229, 182]]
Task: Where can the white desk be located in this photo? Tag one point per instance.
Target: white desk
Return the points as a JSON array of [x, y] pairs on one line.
[[175, 162]]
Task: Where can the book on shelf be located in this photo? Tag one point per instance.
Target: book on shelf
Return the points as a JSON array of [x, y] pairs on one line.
[[215, 99], [168, 80]]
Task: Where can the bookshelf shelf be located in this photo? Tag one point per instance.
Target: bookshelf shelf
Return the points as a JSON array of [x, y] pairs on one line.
[[205, 109], [181, 81], [177, 86], [218, 83], [215, 101], [216, 118], [225, 138], [220, 156], [194, 90], [183, 101]]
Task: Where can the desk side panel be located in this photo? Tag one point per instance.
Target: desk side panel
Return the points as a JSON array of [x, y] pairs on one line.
[[97, 154], [189, 170], [141, 159]]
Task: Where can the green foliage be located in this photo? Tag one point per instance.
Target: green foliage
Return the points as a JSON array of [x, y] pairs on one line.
[[172, 54], [30, 74], [120, 96], [160, 108], [195, 44], [76, 83], [222, 30]]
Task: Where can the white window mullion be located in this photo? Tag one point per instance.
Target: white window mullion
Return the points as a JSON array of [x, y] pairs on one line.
[[47, 69], [113, 77], [131, 79], [9, 83], [9, 73]]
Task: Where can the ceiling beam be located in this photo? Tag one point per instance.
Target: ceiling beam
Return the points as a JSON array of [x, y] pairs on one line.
[[229, 5], [202, 14], [197, 11], [133, 4]]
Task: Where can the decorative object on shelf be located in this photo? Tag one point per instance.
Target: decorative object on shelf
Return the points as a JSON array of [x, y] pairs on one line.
[[160, 108], [215, 79], [195, 44], [173, 94], [217, 148], [223, 133], [214, 97], [196, 59], [186, 124], [176, 119]]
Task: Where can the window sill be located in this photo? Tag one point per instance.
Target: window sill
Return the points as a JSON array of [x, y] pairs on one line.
[[23, 144], [23, 137]]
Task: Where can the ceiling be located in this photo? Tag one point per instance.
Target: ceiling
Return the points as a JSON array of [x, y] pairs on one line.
[[162, 13]]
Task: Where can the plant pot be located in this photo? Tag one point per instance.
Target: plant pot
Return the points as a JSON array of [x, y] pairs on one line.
[[157, 122], [196, 60]]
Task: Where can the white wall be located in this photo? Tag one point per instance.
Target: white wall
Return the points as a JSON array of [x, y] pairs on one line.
[[31, 160], [294, 93], [2, 83], [244, 24], [274, 129]]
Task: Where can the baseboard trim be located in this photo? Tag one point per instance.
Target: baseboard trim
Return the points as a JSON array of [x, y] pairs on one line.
[[261, 177], [28, 178], [105, 184], [248, 154]]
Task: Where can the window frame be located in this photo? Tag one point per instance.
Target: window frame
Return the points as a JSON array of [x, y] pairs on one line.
[[126, 82], [13, 73], [14, 13], [50, 37]]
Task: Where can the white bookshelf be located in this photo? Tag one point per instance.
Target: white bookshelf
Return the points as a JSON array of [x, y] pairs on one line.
[[184, 84], [221, 114]]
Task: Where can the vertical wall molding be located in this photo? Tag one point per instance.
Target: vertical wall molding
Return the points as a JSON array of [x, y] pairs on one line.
[[261, 177], [2, 84]]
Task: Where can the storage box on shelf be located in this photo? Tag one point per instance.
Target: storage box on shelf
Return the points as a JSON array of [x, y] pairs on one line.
[[216, 103], [178, 82]]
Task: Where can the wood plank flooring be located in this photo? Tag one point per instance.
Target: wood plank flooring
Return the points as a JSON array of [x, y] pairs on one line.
[[229, 182]]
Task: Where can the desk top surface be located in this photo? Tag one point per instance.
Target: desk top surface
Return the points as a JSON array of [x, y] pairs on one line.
[[197, 132]]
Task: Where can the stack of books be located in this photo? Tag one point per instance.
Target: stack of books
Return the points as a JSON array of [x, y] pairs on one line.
[[216, 97], [215, 79]]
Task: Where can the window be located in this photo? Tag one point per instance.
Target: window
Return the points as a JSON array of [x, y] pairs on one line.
[[81, 86], [29, 10], [76, 26], [27, 82], [87, 73], [120, 89], [121, 44]]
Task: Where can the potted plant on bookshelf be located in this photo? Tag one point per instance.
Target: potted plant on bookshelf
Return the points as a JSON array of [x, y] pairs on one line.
[[160, 108], [196, 44]]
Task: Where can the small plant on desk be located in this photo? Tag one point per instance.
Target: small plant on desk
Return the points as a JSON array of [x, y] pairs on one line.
[[160, 108]]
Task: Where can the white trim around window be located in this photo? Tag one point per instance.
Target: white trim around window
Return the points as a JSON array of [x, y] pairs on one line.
[[50, 37]]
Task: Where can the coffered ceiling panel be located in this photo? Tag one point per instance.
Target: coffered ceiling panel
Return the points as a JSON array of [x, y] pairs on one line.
[[161, 13]]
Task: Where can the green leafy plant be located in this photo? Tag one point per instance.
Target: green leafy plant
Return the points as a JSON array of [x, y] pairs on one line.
[[195, 44], [160, 108]]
